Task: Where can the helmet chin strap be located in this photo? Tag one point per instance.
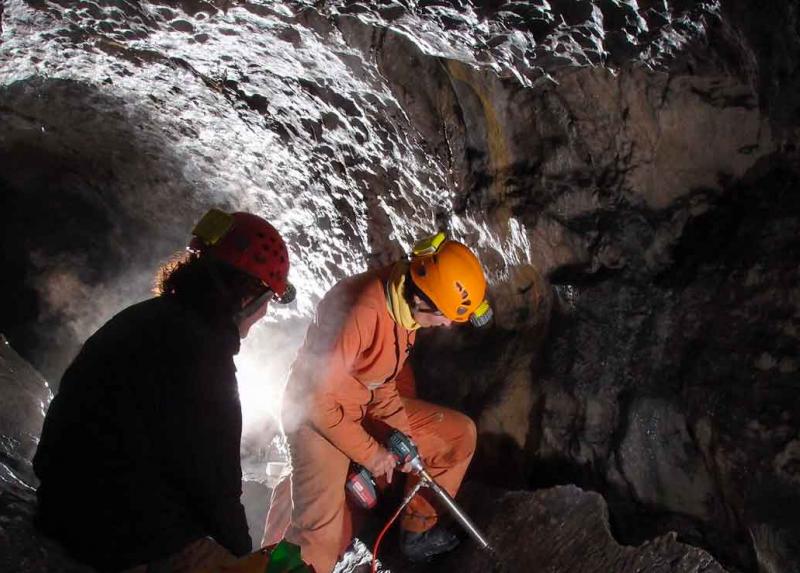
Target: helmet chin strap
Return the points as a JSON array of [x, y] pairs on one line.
[[252, 307]]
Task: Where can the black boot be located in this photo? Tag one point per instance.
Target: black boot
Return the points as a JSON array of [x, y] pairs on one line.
[[419, 547]]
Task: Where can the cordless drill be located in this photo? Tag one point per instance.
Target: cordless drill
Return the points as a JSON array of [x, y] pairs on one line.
[[361, 486]]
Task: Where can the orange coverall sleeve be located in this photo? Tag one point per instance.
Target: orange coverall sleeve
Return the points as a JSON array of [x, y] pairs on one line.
[[339, 399], [405, 382], [387, 407]]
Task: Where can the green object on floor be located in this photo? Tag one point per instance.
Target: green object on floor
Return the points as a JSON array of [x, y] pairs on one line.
[[285, 558]]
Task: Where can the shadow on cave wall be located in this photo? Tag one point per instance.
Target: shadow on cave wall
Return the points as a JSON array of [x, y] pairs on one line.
[[74, 163], [711, 338]]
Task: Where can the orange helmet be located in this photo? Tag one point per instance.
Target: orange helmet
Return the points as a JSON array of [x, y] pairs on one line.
[[450, 275]]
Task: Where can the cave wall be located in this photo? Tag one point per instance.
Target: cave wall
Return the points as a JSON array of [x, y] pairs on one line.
[[123, 122], [661, 207], [626, 170]]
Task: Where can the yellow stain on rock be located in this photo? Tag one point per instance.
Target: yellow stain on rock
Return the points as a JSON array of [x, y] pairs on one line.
[[496, 143]]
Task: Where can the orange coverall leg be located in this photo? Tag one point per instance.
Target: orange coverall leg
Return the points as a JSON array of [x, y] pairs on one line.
[[446, 440], [319, 471]]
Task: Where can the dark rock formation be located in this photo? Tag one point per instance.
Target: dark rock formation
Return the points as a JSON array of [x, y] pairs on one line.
[[566, 529], [25, 396], [674, 389]]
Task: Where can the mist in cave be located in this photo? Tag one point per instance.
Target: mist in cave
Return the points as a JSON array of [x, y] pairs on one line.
[[626, 170]]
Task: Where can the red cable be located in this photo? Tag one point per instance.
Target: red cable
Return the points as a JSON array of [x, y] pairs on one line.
[[389, 523], [380, 537]]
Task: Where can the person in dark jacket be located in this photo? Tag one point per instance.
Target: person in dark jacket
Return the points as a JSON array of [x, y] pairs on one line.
[[139, 458]]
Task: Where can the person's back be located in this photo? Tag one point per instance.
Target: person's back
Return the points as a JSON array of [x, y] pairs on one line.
[[139, 456], [114, 450]]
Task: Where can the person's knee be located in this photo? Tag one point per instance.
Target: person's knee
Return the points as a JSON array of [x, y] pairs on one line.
[[464, 446]]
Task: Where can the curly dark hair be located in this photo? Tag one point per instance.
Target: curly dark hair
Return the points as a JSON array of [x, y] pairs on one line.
[[206, 282], [168, 274]]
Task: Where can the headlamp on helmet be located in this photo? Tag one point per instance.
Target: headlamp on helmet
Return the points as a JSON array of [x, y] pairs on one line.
[[212, 227], [428, 245]]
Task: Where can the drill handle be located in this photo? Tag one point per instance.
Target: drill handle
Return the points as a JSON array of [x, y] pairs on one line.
[[402, 447]]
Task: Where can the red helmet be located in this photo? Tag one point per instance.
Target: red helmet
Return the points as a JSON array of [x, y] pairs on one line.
[[248, 243]]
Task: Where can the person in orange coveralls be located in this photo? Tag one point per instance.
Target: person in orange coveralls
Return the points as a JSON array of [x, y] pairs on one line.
[[346, 377]]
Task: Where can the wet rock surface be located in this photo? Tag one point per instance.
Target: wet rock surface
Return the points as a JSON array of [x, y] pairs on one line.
[[566, 529], [626, 170], [25, 396], [402, 120]]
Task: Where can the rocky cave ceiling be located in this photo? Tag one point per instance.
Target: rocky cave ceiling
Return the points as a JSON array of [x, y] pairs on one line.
[[627, 171]]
